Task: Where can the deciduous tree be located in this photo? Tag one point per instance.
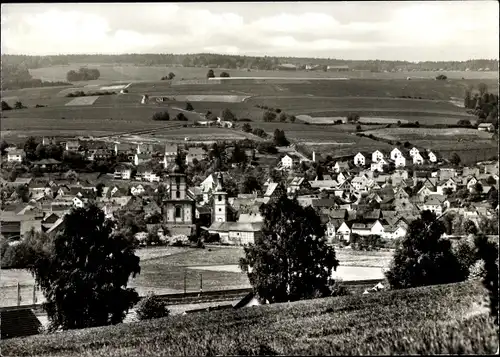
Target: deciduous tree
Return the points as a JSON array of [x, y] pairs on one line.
[[84, 273], [291, 260], [423, 257]]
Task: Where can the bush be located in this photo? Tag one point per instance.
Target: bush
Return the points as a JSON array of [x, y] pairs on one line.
[[466, 255], [339, 289], [246, 128], [278, 110], [161, 116], [15, 256], [181, 117], [269, 116], [224, 75], [151, 307], [189, 106], [5, 106], [441, 77]]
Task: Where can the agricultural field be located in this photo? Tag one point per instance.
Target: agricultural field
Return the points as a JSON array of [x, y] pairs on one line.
[[121, 72], [440, 319]]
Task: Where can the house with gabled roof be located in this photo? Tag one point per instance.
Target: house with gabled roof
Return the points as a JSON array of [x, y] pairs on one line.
[[72, 145], [344, 231], [418, 159], [377, 155], [414, 151], [342, 177], [432, 204], [359, 159], [400, 161], [446, 184], [395, 153]]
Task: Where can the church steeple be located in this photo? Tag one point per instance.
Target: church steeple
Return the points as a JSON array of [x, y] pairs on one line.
[[220, 209]]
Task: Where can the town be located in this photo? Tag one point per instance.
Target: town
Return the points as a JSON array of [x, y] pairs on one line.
[[376, 193]]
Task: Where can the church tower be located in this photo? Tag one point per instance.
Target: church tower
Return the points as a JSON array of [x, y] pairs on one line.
[[220, 211], [179, 207]]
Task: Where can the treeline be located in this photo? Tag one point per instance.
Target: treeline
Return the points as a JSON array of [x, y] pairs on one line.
[[482, 104], [233, 62], [83, 74], [15, 77]]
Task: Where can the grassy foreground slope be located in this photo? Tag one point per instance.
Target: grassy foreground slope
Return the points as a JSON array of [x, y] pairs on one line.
[[444, 319]]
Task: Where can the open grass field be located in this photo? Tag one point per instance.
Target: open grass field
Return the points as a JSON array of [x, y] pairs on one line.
[[409, 134], [442, 319], [163, 269]]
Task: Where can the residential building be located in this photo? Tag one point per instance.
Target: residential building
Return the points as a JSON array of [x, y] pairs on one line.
[[432, 156], [287, 162], [195, 153], [16, 155], [395, 153], [340, 166], [377, 155], [122, 172], [418, 159], [486, 127], [141, 159], [359, 159], [400, 161], [447, 184], [72, 145], [344, 232], [169, 155], [414, 151]]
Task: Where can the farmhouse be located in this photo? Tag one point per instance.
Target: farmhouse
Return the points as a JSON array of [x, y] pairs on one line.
[[400, 161], [486, 127], [417, 159], [17, 155], [395, 153]]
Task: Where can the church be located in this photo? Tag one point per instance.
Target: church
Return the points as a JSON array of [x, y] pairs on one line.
[[179, 206], [237, 233]]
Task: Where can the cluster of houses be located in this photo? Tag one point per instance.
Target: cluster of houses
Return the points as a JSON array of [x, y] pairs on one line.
[[350, 199]]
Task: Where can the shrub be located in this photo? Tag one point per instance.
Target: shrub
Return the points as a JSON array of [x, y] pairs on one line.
[[151, 307], [5, 106], [189, 106], [246, 128], [181, 117], [161, 116], [441, 77], [339, 289], [278, 110], [466, 255], [269, 116], [224, 75]]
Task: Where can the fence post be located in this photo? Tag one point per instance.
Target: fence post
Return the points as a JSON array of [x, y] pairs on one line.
[[34, 294], [201, 284], [18, 294]]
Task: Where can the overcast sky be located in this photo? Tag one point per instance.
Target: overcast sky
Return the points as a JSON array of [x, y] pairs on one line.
[[413, 31]]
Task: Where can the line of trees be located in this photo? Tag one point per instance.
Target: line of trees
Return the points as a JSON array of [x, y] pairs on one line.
[[83, 74], [483, 104], [233, 61]]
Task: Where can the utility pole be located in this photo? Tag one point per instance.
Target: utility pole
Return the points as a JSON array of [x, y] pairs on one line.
[[184, 282], [18, 294]]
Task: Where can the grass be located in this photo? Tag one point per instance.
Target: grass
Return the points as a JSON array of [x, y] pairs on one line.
[[444, 319]]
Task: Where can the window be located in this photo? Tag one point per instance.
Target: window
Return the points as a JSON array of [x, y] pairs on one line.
[[220, 197], [178, 194], [220, 209], [178, 212]]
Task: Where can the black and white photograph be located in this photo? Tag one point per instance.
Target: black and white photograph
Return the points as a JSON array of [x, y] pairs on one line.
[[249, 178]]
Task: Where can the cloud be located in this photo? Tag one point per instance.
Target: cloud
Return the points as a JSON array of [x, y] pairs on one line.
[[387, 30]]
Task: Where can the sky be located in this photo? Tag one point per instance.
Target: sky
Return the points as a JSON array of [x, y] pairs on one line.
[[409, 30]]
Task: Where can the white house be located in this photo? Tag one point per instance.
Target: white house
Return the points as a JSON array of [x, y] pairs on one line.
[[400, 161], [344, 232], [432, 204], [377, 155], [16, 155], [414, 151], [359, 159], [471, 183], [432, 156], [72, 146], [141, 158], [287, 162], [122, 172], [78, 202], [417, 159], [360, 183], [137, 190], [341, 177], [391, 232], [395, 153], [378, 166], [448, 184]]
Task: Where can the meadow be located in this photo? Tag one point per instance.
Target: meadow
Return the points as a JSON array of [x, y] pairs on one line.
[[441, 319], [163, 270]]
